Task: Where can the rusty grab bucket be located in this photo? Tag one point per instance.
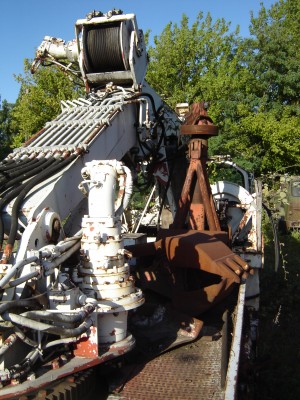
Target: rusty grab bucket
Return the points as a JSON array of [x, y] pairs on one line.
[[194, 265]]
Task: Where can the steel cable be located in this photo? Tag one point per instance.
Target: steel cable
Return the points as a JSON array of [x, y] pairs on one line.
[[103, 49]]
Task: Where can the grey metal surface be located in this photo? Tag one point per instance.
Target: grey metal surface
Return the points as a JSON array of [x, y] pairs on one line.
[[189, 372]]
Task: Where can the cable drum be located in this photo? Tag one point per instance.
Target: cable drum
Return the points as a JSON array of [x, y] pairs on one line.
[[106, 47]]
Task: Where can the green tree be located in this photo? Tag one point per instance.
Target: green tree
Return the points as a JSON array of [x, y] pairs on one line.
[[5, 128], [268, 130], [252, 84], [204, 61], [39, 99], [276, 55], [192, 63]]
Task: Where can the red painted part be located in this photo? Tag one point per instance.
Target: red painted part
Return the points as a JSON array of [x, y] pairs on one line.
[[87, 346]]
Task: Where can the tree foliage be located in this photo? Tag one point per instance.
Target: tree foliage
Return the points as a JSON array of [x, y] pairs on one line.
[[252, 84], [5, 128], [271, 129], [186, 60], [39, 100]]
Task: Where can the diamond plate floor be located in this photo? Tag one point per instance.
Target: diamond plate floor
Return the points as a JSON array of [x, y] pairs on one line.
[[190, 372]]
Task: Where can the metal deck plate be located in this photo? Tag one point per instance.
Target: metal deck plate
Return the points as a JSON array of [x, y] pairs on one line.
[[189, 372]]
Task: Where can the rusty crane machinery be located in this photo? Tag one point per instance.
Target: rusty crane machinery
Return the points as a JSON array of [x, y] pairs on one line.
[[88, 306]]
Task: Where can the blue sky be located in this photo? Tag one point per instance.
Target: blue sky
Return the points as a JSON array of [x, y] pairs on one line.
[[24, 24]]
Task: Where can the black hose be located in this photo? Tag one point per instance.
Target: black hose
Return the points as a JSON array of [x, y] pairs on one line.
[[15, 192], [57, 166], [60, 317], [8, 175], [4, 307], [27, 173], [5, 162], [28, 163], [157, 117], [18, 371], [41, 326], [11, 164]]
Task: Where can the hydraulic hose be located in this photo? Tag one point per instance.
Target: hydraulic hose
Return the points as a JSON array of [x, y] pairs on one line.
[[157, 117], [5, 163], [8, 343], [14, 269], [4, 307], [19, 333], [42, 327], [50, 265], [57, 166], [58, 342], [11, 164], [19, 165], [18, 371], [7, 176], [75, 318], [13, 193], [22, 279], [27, 173]]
